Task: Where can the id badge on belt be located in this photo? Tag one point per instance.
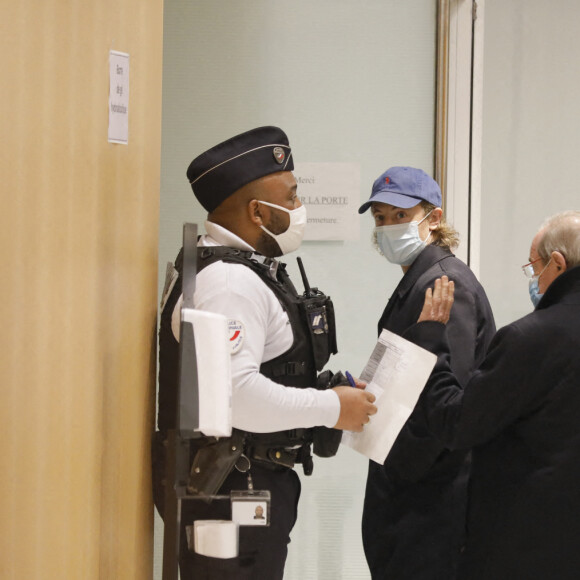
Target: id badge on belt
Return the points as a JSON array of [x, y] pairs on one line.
[[250, 507]]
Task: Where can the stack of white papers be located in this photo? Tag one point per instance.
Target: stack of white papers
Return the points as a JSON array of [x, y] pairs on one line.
[[396, 374]]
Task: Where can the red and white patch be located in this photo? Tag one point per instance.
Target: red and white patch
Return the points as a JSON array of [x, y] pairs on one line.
[[279, 155], [236, 334]]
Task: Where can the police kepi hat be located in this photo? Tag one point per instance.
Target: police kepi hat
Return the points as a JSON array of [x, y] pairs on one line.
[[223, 169], [404, 187]]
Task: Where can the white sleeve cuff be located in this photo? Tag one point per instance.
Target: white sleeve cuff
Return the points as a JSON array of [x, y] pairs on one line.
[[330, 406]]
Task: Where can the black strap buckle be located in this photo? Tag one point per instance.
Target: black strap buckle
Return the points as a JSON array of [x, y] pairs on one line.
[[291, 369]]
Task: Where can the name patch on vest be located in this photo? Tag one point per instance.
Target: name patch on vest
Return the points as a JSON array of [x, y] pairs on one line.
[[318, 321], [236, 335]]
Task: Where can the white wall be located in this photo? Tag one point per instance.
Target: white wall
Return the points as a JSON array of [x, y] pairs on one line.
[[349, 81], [531, 136]]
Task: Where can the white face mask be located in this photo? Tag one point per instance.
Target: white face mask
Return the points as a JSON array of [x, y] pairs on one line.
[[401, 243], [291, 239]]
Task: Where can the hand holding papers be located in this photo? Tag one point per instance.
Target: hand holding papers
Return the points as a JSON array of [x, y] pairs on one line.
[[356, 406], [396, 374]]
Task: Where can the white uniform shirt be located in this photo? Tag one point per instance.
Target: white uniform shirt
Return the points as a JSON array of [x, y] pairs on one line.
[[258, 403]]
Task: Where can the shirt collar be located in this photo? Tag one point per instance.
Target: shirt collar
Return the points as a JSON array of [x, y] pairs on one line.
[[219, 236]]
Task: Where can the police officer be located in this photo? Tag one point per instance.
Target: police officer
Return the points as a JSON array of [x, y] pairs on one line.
[[279, 340]]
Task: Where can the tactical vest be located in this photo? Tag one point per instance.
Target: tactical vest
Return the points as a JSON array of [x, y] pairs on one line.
[[311, 317]]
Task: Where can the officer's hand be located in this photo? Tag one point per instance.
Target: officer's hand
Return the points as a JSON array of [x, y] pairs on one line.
[[356, 407], [438, 302]]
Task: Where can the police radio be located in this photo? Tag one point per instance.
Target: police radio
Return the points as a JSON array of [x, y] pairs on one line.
[[319, 312]]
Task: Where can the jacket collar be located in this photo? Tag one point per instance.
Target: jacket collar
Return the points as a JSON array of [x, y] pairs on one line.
[[430, 256]]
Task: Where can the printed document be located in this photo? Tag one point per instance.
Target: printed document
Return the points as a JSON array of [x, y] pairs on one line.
[[396, 373]]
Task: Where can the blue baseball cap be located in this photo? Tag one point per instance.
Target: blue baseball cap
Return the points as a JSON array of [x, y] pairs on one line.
[[403, 187]]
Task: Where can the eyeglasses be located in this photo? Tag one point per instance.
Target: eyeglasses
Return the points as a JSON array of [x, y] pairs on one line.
[[528, 269]]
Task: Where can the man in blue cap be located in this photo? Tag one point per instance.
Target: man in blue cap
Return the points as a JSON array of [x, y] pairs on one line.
[[279, 340], [414, 509]]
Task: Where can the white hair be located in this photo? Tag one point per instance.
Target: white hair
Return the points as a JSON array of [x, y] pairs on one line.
[[561, 233]]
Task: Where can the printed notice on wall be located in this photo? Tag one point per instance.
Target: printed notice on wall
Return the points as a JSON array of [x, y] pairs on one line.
[[118, 97], [331, 194]]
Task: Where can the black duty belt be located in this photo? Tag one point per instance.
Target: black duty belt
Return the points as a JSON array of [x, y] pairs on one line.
[[280, 458], [275, 458]]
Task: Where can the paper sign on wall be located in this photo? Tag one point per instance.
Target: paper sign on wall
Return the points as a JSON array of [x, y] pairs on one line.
[[331, 194], [118, 97]]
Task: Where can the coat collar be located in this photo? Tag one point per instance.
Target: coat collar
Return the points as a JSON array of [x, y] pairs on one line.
[[565, 288], [430, 256]]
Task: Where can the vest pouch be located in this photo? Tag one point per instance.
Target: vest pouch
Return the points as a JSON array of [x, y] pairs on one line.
[[325, 441], [319, 314]]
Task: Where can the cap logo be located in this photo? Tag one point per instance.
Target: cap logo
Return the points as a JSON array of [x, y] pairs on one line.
[[279, 155], [387, 180]]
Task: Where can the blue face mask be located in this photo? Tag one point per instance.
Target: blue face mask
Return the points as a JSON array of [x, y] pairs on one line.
[[534, 288], [401, 243]]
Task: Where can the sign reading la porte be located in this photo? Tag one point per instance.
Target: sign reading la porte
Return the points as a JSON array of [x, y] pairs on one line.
[[331, 194]]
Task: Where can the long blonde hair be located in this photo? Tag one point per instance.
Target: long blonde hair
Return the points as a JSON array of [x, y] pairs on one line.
[[444, 235]]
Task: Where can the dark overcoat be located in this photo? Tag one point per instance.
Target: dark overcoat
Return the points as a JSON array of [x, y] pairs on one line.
[[414, 510], [520, 412]]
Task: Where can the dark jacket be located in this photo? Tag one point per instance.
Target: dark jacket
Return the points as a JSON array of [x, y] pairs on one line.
[[414, 509], [521, 414]]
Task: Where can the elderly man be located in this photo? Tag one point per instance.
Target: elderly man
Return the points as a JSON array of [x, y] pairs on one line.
[[520, 413], [279, 340]]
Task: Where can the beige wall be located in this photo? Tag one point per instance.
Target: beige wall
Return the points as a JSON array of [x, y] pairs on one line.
[[78, 235]]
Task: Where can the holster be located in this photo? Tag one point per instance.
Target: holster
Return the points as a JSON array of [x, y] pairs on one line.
[[325, 440], [213, 462]]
